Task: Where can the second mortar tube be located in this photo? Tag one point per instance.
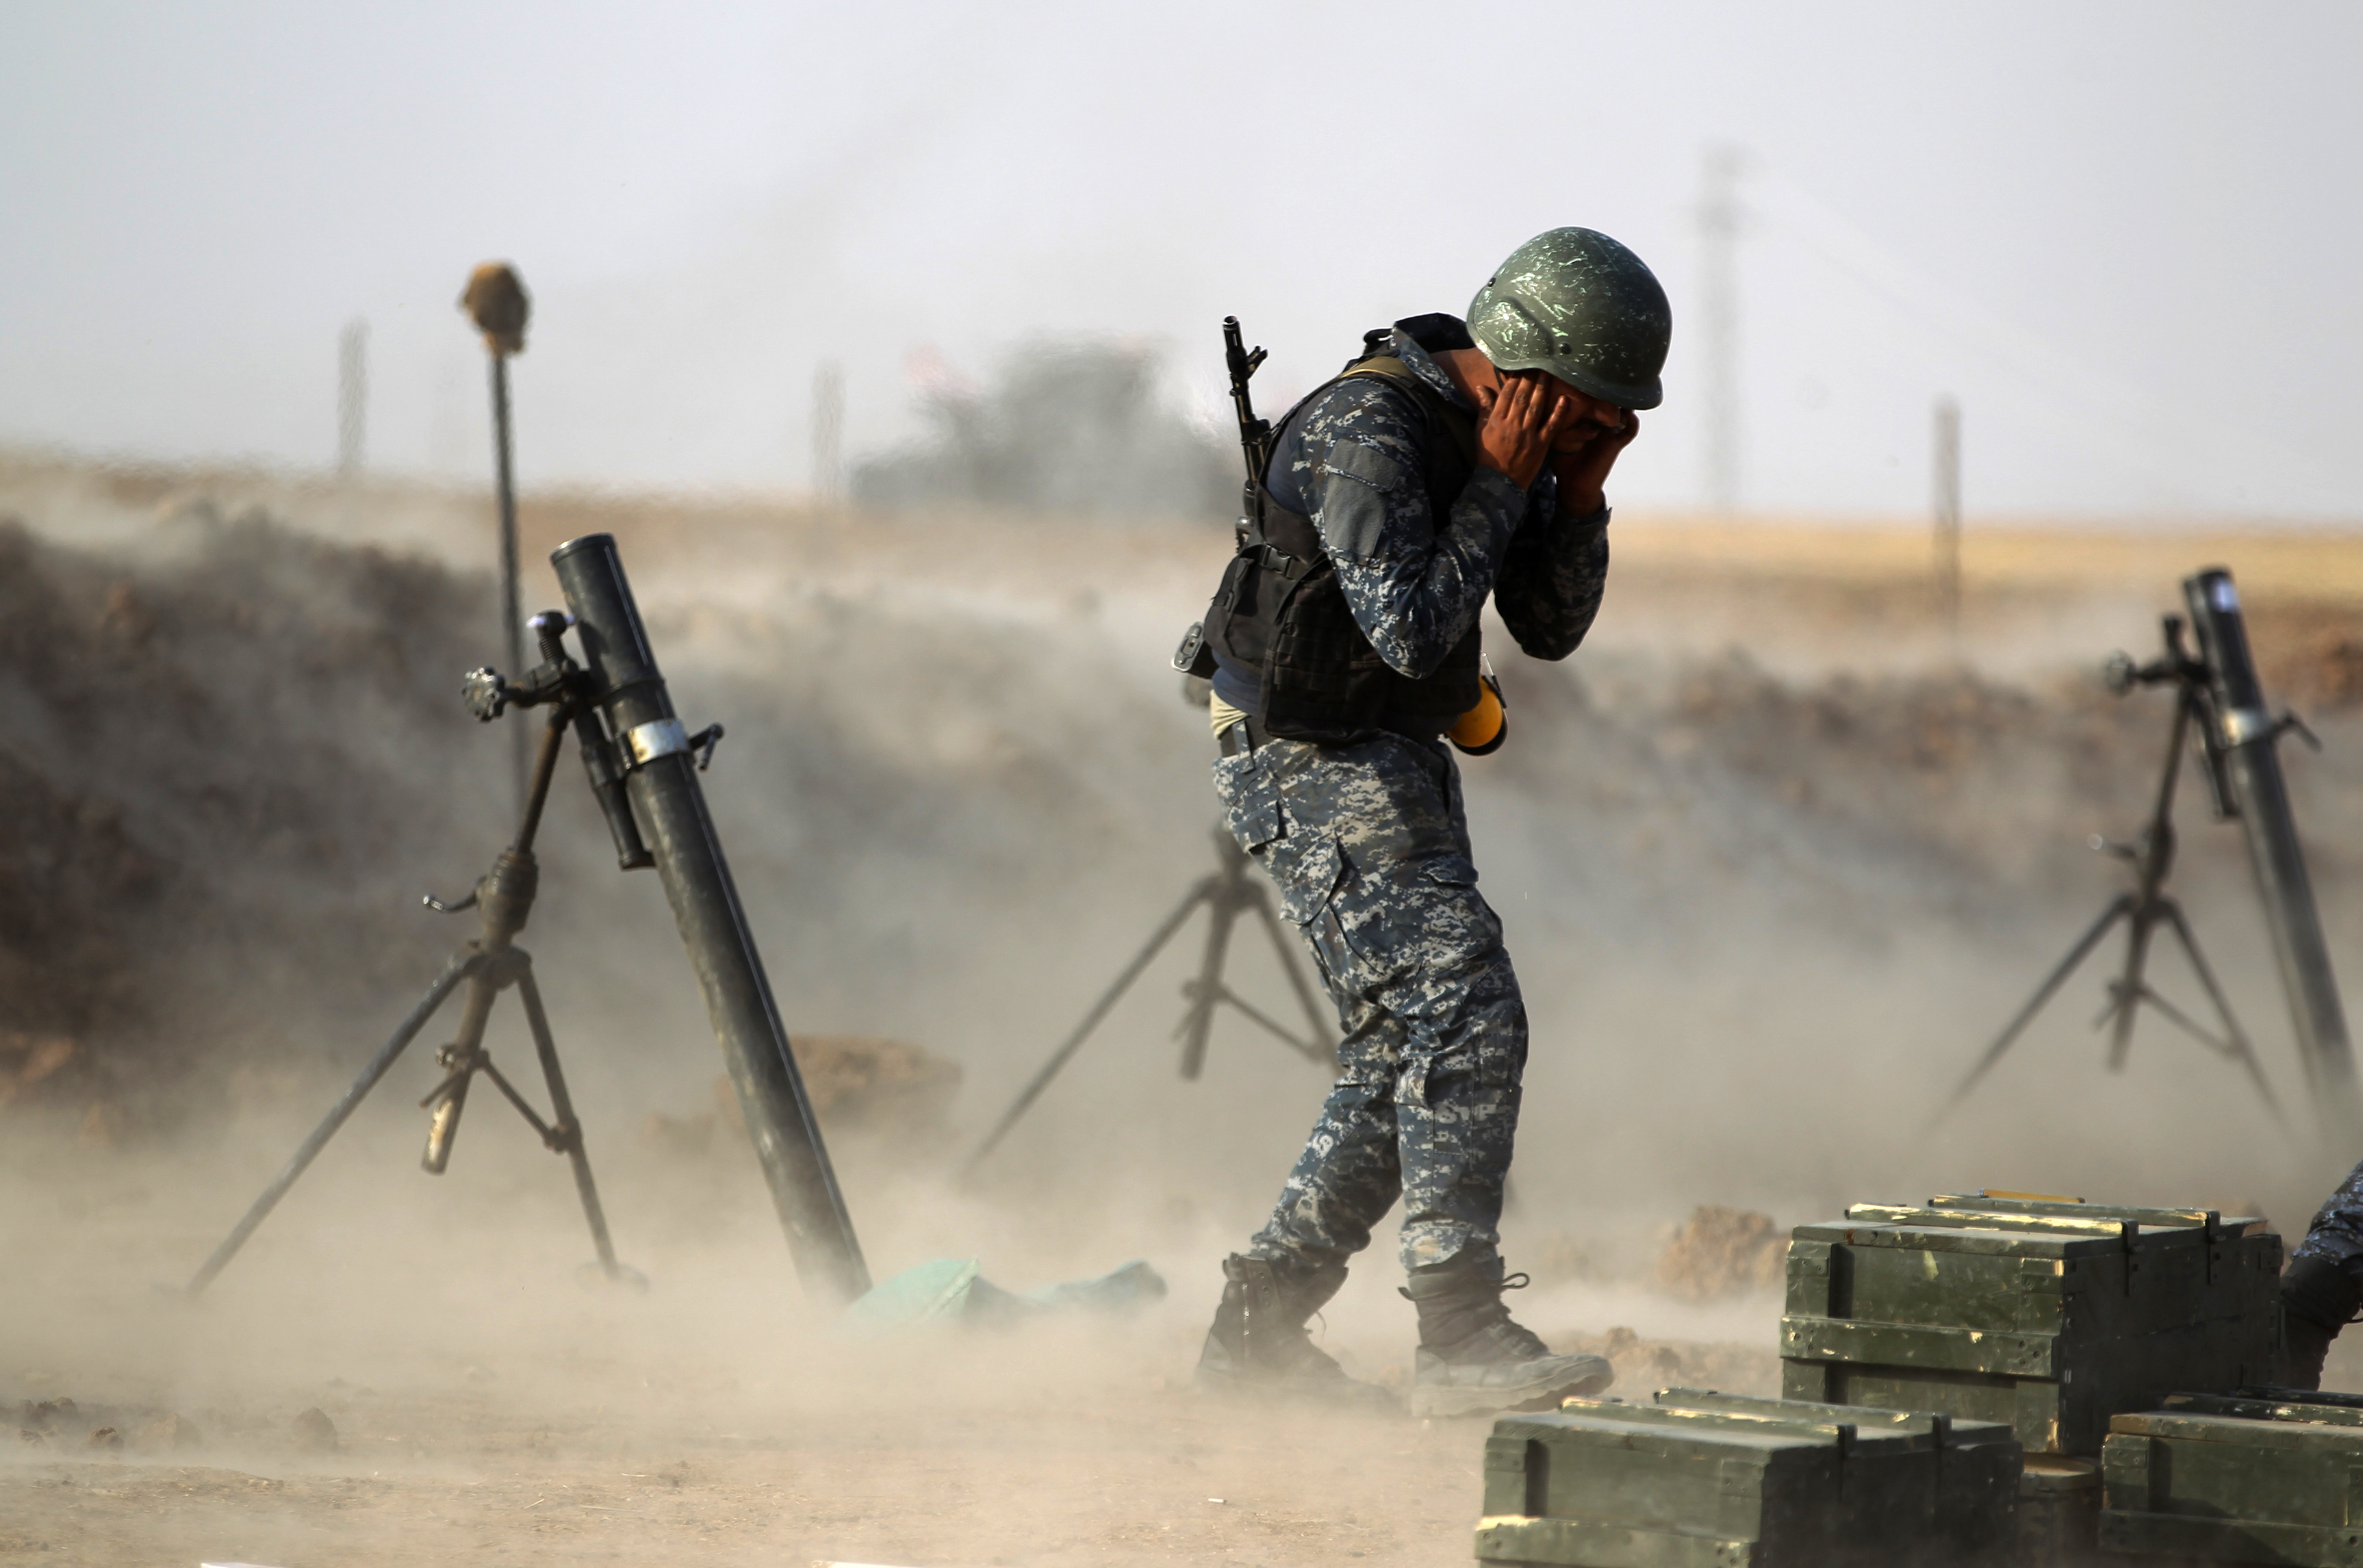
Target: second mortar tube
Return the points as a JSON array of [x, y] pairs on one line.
[[671, 807], [2247, 736]]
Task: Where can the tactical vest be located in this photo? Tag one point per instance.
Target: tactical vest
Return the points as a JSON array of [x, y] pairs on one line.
[[1280, 609]]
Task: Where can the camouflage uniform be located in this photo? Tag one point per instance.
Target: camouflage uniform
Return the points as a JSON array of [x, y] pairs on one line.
[[1369, 843], [2336, 1234]]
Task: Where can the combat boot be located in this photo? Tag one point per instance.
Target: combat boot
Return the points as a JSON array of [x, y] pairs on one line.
[[1475, 1359], [1259, 1344], [2318, 1298]]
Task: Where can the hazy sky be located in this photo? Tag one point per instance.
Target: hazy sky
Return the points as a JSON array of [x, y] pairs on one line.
[[2125, 236]]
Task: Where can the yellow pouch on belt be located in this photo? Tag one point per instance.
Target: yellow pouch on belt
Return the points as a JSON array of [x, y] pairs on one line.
[[1481, 730]]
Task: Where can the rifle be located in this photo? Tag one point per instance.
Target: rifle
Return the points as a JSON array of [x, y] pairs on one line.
[[1255, 434]]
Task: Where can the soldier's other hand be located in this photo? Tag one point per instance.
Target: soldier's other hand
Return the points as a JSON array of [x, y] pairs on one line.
[[1585, 452], [1519, 422]]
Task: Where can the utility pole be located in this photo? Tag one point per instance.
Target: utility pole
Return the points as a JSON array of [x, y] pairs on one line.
[[1948, 499], [352, 398], [828, 433], [1719, 221]]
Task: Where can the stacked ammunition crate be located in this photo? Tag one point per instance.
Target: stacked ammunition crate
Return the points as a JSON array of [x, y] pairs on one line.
[[2275, 1475], [1707, 1480], [1982, 1326], [2053, 1317]]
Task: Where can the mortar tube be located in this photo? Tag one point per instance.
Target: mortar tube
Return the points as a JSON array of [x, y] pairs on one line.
[[622, 678], [2247, 734]]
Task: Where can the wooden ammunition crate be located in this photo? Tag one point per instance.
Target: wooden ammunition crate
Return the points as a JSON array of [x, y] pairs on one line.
[[2050, 1316], [1750, 1485], [1969, 1502], [2059, 1514], [2284, 1485]]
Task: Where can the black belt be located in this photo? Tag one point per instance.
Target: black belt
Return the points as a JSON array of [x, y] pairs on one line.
[[1243, 737], [1250, 734]]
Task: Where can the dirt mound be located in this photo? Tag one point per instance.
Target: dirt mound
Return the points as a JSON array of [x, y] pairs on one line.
[[206, 755], [1723, 1252]]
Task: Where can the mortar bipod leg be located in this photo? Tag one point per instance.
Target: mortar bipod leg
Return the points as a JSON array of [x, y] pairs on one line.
[[2120, 908], [1206, 890], [463, 1057], [1197, 1024], [2234, 1035], [2125, 993], [566, 1131], [463, 964]]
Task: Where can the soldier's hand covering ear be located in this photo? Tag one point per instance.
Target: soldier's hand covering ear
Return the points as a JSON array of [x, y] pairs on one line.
[[1583, 455], [1518, 421]]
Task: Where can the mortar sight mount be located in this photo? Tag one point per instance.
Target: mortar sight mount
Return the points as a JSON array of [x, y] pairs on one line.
[[606, 758]]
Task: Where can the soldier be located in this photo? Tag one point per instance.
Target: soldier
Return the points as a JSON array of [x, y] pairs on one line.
[[2322, 1287], [1453, 461]]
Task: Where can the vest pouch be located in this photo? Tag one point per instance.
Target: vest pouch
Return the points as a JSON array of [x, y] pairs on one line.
[[1324, 683], [1233, 626]]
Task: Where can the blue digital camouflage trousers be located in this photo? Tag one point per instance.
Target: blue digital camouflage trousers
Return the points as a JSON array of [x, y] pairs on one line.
[[2336, 1233], [1368, 847]]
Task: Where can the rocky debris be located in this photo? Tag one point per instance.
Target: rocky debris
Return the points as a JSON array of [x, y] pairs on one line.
[[26, 1059], [315, 1431], [45, 1416], [1646, 1365], [170, 1433], [1723, 1252], [858, 1082], [103, 1437]]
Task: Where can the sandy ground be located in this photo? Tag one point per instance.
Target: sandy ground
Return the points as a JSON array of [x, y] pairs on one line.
[[488, 1406]]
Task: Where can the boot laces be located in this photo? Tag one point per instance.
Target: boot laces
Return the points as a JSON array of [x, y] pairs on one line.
[[1506, 1331]]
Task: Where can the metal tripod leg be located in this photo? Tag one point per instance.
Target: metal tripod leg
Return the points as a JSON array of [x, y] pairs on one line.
[[2120, 908], [2125, 994], [1207, 989], [2234, 1035], [567, 1131], [447, 1099], [1205, 890], [463, 965]]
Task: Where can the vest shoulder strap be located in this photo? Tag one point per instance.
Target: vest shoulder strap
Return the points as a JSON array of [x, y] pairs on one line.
[[1294, 533], [1456, 420]]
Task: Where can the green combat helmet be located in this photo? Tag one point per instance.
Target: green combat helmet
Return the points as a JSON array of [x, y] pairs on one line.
[[1576, 304]]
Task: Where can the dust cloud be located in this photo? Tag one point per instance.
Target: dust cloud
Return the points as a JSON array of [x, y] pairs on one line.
[[1776, 858]]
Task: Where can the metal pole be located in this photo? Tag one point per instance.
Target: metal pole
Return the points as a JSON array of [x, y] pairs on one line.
[[623, 681], [828, 433], [496, 302], [1948, 498], [352, 398], [511, 612], [2246, 733]]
